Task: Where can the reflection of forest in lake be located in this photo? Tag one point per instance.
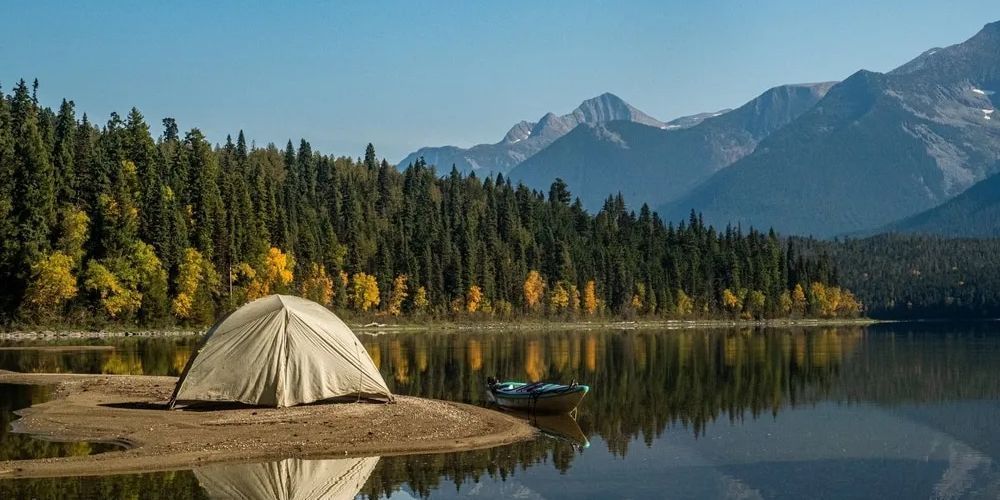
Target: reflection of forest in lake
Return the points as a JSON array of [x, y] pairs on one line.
[[127, 356], [15, 446], [664, 389], [642, 380]]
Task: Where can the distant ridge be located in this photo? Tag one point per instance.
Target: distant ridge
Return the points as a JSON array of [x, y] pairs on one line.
[[527, 138], [655, 165]]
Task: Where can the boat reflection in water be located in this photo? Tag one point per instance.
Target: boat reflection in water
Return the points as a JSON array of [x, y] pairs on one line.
[[562, 427], [288, 479]]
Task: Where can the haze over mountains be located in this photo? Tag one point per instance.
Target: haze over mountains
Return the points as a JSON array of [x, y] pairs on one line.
[[821, 159]]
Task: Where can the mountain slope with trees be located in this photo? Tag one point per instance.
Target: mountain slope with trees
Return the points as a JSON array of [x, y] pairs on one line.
[[107, 224], [972, 214]]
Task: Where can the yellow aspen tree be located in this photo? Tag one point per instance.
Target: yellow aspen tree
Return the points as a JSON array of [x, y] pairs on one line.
[[277, 270], [398, 295], [473, 299], [590, 297], [420, 301], [731, 301], [639, 297], [534, 286], [755, 302], [685, 305], [74, 227], [849, 306], [364, 292], [52, 285], [188, 278], [559, 298], [785, 303], [832, 300], [248, 284], [799, 302], [574, 298], [819, 304], [116, 299], [317, 286]]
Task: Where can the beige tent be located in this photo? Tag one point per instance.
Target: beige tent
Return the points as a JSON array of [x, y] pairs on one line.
[[290, 479], [279, 351]]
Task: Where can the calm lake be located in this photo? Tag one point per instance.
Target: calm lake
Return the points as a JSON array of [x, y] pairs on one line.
[[888, 411]]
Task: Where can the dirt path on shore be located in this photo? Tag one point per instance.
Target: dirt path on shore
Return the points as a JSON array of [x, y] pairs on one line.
[[132, 410]]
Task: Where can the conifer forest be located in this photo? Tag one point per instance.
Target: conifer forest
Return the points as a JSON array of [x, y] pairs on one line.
[[113, 222]]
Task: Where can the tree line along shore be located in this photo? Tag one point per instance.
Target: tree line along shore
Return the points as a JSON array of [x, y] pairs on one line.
[[105, 224]]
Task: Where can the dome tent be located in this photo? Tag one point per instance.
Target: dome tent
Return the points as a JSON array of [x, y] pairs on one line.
[[279, 351]]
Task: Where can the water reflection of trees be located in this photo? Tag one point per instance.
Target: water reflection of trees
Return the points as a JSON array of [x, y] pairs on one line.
[[172, 485], [15, 446], [923, 362], [642, 380], [645, 383], [129, 356]]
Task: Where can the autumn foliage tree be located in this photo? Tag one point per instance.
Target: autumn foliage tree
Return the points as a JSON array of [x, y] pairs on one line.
[[590, 297], [316, 285], [196, 281], [364, 292], [398, 295], [473, 299], [533, 287], [52, 285]]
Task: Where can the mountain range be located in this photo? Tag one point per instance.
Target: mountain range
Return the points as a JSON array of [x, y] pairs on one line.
[[870, 152], [655, 165], [877, 148], [525, 138]]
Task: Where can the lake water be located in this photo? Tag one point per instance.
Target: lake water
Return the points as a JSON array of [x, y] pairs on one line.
[[888, 411]]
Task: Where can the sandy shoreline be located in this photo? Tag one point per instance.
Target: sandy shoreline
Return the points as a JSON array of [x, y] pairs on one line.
[[130, 410]]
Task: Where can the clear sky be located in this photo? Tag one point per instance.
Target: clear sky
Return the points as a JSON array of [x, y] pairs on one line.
[[411, 74]]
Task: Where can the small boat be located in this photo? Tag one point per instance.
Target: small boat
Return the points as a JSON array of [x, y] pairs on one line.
[[537, 397]]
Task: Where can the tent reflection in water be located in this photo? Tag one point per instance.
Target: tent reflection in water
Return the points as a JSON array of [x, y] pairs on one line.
[[279, 351], [293, 478]]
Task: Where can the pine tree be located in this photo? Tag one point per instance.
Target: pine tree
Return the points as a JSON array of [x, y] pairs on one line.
[[34, 208]]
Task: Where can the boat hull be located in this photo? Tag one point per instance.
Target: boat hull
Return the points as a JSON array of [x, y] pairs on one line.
[[561, 402]]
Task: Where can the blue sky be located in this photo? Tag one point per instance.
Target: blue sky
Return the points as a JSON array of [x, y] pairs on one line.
[[410, 74]]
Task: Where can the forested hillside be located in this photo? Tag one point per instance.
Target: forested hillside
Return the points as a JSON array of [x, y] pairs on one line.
[[917, 276], [973, 214], [105, 224]]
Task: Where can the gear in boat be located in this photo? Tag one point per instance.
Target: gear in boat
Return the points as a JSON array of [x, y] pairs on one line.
[[536, 397]]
